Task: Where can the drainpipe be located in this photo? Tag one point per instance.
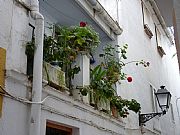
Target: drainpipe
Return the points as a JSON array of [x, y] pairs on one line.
[[161, 20], [35, 116], [103, 14]]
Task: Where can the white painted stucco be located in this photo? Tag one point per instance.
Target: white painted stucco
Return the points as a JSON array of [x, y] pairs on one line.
[[63, 109], [162, 71], [111, 7]]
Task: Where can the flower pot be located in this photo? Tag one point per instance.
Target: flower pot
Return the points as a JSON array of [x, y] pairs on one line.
[[55, 63], [54, 75], [114, 111]]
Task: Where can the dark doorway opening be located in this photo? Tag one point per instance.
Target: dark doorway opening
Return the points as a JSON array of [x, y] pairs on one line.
[[55, 129]]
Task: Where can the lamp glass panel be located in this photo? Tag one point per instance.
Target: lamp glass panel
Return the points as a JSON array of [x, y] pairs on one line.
[[169, 100], [162, 99]]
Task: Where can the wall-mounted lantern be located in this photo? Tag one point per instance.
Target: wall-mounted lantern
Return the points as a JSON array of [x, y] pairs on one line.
[[163, 97]]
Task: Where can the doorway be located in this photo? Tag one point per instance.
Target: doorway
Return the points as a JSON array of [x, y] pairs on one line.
[[55, 129]]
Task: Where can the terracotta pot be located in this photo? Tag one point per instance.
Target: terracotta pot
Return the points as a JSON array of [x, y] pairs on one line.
[[114, 111]]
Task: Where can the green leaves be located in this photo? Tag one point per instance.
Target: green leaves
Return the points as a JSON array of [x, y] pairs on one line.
[[104, 76], [85, 38], [134, 106], [30, 48], [102, 88], [114, 64], [97, 74], [73, 71], [123, 105], [124, 51]]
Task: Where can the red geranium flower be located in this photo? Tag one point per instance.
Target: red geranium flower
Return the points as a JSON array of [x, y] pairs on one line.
[[129, 79], [82, 24]]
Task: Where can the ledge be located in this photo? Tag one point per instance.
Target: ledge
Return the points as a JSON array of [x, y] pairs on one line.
[[19, 77], [101, 17], [161, 51], [148, 31], [60, 98]]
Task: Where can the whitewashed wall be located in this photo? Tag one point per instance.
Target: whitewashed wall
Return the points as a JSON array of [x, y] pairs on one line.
[[64, 110], [162, 71], [111, 7], [14, 32], [16, 116], [13, 36]]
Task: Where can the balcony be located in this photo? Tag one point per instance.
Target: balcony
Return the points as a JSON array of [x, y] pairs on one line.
[[73, 75], [66, 68]]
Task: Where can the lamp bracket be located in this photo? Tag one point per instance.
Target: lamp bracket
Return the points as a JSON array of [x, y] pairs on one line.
[[143, 118]]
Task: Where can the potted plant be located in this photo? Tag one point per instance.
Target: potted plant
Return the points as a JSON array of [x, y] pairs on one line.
[[113, 62], [53, 74], [67, 44], [84, 38], [102, 90], [104, 96], [120, 107], [104, 78]]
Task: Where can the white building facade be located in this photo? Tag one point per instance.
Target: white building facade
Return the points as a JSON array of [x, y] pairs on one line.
[[34, 107]]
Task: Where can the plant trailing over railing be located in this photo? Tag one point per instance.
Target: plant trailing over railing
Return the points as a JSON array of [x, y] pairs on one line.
[[123, 105], [103, 91], [104, 77]]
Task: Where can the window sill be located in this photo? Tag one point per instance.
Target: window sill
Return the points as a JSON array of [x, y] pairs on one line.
[[161, 51], [148, 31]]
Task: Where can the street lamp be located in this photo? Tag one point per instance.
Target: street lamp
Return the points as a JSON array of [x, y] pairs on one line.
[[163, 97]]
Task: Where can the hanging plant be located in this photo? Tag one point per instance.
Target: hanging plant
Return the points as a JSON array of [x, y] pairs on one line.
[[30, 48], [123, 105]]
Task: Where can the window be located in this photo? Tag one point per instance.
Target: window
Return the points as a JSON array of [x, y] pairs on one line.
[[159, 37], [159, 42], [146, 17], [55, 129]]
